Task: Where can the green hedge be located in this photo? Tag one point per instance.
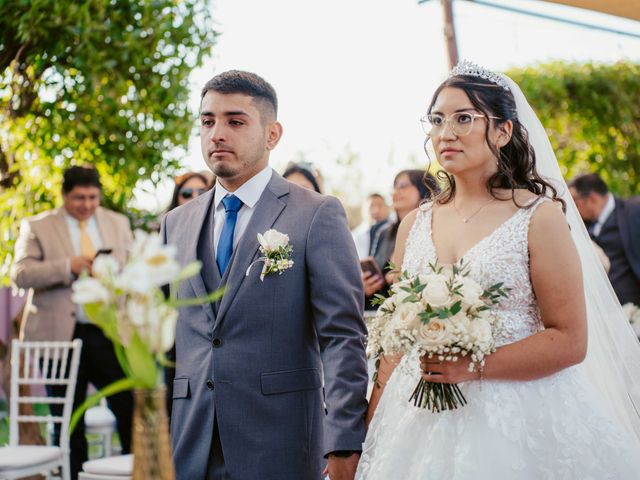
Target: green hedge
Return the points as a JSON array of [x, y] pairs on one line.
[[592, 114]]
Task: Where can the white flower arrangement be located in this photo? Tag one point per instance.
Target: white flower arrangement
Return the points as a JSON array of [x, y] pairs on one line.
[[276, 250], [128, 305], [633, 314], [443, 314]]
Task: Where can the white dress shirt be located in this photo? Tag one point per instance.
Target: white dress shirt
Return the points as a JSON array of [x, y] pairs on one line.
[[74, 231], [249, 193], [604, 216]]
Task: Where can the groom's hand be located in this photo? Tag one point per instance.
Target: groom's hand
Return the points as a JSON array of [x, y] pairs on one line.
[[342, 468]]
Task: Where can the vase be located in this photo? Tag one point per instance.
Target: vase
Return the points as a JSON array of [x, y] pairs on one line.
[[152, 457]]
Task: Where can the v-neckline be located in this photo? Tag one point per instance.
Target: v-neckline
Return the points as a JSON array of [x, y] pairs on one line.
[[472, 247]]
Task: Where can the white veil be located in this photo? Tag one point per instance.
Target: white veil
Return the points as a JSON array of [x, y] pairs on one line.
[[613, 356]]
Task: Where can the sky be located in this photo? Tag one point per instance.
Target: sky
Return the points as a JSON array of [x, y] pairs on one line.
[[353, 77]]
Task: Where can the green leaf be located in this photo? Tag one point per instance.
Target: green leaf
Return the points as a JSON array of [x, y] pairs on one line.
[[456, 307], [187, 302], [143, 367], [118, 386], [87, 87]]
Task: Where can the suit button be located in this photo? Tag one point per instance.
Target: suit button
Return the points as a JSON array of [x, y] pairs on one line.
[[216, 342], [210, 384]]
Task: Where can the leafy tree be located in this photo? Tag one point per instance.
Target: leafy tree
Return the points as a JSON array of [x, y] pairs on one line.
[[592, 115], [100, 81]]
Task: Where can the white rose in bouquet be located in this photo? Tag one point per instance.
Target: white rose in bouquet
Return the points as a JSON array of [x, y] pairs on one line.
[[435, 333], [407, 316], [480, 332], [436, 293], [273, 240], [461, 322], [470, 292]]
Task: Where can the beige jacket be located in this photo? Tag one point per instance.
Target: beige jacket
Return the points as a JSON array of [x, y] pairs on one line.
[[41, 262]]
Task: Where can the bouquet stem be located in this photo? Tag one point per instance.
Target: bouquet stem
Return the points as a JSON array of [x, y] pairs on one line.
[[437, 396]]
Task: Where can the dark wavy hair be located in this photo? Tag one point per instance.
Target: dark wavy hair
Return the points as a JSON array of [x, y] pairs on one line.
[[516, 160], [180, 181], [305, 173], [427, 186]]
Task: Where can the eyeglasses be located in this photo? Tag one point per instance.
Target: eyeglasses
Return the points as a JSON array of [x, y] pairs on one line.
[[402, 185], [461, 123], [188, 192]]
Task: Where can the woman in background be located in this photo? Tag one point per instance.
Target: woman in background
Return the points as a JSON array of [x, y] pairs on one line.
[[188, 186], [302, 177], [410, 189]]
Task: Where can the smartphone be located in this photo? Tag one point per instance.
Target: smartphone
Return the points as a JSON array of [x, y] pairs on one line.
[[104, 251], [369, 265]]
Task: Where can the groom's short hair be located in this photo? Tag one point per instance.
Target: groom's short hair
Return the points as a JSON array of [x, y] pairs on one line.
[[246, 83], [589, 182]]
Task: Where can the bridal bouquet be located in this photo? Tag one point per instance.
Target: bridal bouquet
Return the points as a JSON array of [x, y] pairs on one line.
[[128, 305], [443, 314]]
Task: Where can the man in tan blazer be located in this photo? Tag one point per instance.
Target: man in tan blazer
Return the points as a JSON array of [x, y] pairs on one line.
[[52, 250]]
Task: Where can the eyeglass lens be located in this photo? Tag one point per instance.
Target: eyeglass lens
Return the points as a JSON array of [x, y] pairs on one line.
[[461, 123]]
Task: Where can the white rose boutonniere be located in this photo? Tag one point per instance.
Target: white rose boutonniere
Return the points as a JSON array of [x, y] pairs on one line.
[[276, 249]]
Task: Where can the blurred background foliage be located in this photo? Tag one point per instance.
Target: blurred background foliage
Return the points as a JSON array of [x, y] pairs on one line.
[[592, 115], [104, 82]]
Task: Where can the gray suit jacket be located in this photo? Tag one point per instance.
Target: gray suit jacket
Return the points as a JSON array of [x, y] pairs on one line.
[[258, 360], [42, 253]]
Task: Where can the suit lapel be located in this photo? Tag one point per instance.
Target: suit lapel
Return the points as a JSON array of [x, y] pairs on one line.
[[198, 218], [268, 209], [62, 230]]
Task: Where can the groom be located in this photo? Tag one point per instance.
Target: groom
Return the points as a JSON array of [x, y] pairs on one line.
[[271, 380]]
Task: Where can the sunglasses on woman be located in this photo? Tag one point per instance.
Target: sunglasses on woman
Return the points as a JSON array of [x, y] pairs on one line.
[[188, 192]]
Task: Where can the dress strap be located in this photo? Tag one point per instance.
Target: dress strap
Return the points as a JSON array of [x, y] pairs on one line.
[[530, 209]]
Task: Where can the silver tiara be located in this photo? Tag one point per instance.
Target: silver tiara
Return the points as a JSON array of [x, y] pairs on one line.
[[465, 67]]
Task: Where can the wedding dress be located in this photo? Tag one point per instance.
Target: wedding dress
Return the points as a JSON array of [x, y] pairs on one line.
[[556, 427]]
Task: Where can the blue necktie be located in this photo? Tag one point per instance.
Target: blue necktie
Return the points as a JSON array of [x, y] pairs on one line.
[[225, 244]]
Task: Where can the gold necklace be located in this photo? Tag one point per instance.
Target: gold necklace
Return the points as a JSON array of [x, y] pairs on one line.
[[466, 219]]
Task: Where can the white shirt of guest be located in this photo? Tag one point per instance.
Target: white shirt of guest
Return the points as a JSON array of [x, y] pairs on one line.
[[249, 193], [74, 232], [604, 216]]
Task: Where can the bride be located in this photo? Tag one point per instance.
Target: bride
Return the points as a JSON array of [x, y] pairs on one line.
[[537, 409]]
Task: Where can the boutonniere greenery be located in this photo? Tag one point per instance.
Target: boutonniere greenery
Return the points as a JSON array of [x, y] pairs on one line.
[[276, 251]]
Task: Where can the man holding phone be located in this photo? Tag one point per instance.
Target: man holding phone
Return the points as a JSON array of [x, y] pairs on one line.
[[52, 250]]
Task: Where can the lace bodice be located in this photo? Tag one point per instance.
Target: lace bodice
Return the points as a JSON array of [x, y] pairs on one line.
[[502, 256]]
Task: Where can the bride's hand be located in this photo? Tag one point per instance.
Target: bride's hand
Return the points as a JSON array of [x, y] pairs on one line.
[[436, 371]]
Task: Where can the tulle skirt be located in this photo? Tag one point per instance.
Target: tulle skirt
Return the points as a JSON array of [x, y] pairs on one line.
[[551, 428]]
